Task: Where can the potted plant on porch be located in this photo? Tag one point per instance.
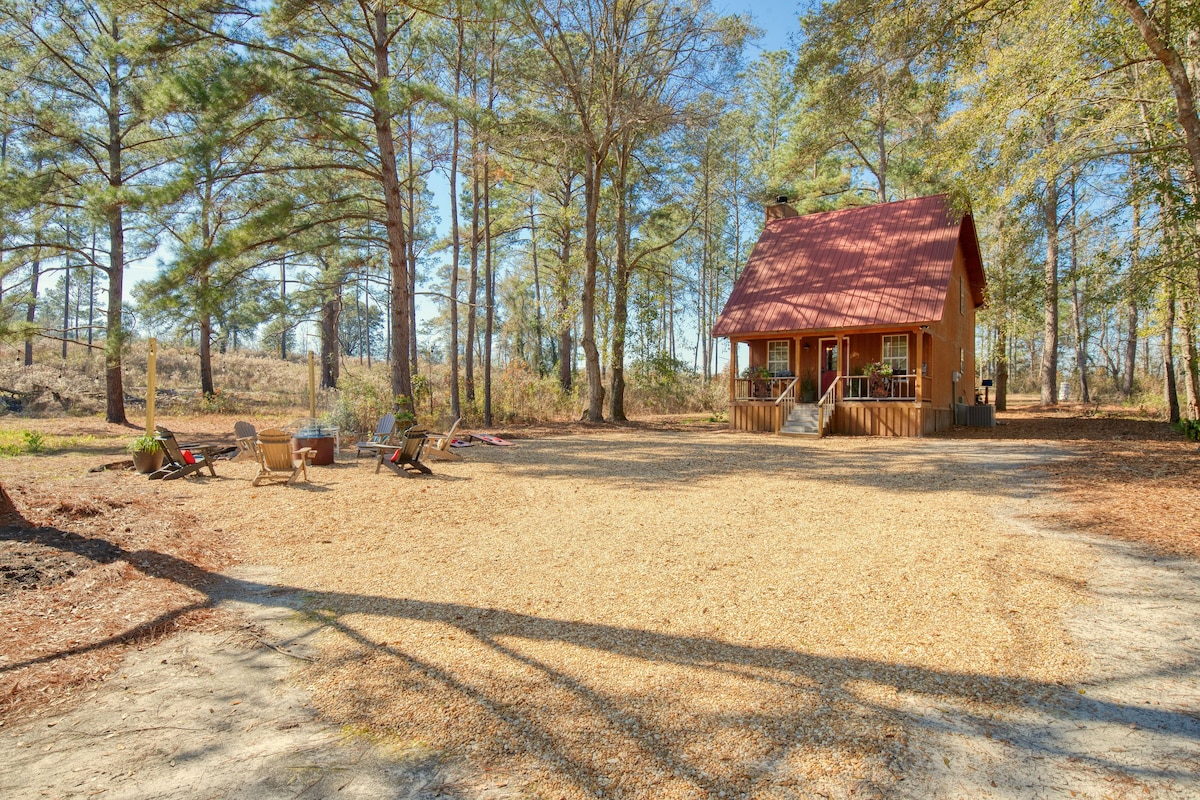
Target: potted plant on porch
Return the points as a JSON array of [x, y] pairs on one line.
[[879, 379], [147, 454], [808, 387], [759, 378]]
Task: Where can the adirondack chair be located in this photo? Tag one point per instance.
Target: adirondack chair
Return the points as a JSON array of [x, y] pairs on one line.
[[384, 432], [437, 445], [180, 464], [246, 435], [276, 459], [404, 458]]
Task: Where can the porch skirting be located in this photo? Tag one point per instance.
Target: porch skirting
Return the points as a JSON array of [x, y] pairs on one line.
[[754, 415], [850, 418], [889, 419]]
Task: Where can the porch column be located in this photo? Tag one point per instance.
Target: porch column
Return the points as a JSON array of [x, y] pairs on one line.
[[733, 370], [919, 383]]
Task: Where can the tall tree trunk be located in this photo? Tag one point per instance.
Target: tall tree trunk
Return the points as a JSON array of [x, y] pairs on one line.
[[620, 283], [203, 306], [364, 330], [1001, 367], [92, 298], [331, 310], [1077, 312], [565, 344], [473, 277], [706, 257], [489, 289], [881, 151], [1131, 307], [537, 286], [591, 191], [207, 387], [489, 267], [455, 240], [1191, 378], [35, 272], [394, 219], [562, 288], [1049, 367], [1169, 388], [411, 242], [114, 389], [283, 323], [66, 326]]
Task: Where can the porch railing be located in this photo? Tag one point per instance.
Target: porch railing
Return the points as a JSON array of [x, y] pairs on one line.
[[879, 387], [784, 404], [760, 388], [826, 406]]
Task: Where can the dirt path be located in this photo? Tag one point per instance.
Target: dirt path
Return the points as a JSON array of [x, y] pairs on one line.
[[946, 642], [203, 715], [1128, 728]]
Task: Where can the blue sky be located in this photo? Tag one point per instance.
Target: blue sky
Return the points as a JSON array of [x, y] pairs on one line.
[[777, 18]]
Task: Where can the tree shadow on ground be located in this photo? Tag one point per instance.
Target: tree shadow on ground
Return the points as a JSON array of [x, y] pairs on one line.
[[906, 466], [626, 733]]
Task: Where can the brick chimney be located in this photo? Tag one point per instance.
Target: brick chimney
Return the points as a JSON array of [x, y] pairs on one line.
[[780, 209]]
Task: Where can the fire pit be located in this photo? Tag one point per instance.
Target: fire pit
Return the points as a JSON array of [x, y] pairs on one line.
[[321, 438]]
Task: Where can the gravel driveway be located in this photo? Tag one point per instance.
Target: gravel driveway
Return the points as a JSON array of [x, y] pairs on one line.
[[657, 614]]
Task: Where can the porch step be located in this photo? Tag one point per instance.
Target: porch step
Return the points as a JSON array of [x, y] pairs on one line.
[[802, 421]]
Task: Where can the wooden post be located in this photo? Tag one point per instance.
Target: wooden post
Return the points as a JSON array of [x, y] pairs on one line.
[[919, 383], [151, 389], [733, 373], [312, 385]]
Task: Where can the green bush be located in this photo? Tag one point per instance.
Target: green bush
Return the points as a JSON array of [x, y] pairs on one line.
[[1190, 428], [35, 442]]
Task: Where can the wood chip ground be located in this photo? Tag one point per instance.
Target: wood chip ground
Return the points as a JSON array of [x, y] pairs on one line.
[[632, 613]]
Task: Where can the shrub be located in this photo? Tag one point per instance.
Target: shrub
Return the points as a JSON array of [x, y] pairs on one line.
[[523, 395], [1190, 428], [360, 400], [35, 442]]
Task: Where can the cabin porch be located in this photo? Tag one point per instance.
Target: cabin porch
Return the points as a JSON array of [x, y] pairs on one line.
[[875, 383], [848, 408]]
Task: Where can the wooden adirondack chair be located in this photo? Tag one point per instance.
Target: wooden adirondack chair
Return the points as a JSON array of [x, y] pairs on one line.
[[404, 458], [384, 432], [437, 445], [177, 463], [246, 435], [276, 459]]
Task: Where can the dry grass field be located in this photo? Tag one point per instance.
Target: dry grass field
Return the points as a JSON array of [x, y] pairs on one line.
[[661, 610]]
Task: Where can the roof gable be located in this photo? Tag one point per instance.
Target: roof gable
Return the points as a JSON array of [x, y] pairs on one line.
[[878, 265]]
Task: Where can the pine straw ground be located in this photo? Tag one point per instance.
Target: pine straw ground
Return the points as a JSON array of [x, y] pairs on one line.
[[666, 610]]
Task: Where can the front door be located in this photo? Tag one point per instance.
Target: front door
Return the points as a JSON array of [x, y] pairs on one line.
[[829, 364]]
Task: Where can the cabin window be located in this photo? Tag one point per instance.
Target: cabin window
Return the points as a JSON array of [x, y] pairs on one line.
[[895, 353], [778, 361]]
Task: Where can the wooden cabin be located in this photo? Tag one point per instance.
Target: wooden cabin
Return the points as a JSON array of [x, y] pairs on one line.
[[859, 321]]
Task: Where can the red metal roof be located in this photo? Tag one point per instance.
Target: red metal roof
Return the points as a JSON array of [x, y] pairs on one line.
[[878, 265]]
